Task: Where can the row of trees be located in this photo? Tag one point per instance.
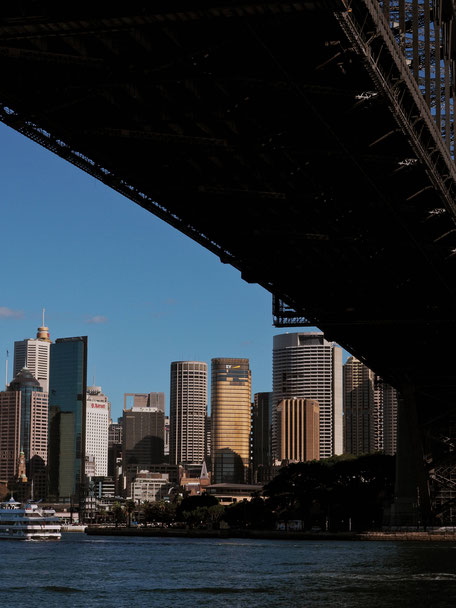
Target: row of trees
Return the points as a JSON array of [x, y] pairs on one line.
[[339, 493]]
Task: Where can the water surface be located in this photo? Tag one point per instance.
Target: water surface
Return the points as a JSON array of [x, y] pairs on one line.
[[83, 571]]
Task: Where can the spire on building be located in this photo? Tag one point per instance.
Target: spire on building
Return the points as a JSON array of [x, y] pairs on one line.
[[204, 474], [43, 332]]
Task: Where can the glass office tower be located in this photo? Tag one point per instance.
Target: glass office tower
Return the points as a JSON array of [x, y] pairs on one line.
[[67, 412], [230, 417]]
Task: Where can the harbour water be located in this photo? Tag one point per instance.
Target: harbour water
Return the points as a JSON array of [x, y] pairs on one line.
[[82, 571]]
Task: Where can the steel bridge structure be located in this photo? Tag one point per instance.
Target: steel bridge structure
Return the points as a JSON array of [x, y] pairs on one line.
[[308, 143]]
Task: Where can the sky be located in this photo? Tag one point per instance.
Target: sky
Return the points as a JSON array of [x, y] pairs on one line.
[[103, 267]]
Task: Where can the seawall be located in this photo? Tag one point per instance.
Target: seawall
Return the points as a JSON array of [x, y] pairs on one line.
[[270, 534]]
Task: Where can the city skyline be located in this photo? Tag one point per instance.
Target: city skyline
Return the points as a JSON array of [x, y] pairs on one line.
[[143, 293]]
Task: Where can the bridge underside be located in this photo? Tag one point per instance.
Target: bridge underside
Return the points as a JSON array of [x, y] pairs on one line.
[[265, 133]]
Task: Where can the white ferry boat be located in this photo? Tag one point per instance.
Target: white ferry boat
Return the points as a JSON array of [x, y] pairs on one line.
[[28, 522]]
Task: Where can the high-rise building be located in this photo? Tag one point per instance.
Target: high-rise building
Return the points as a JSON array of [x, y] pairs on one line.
[[67, 416], [34, 355], [143, 436], [298, 430], [370, 411], [188, 409], [230, 418], [262, 430], [96, 434], [307, 366], [24, 430]]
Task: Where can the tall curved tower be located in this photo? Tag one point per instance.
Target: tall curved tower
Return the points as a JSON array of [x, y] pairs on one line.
[[188, 410]]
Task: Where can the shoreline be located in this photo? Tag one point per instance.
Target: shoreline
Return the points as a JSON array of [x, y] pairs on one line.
[[271, 534]]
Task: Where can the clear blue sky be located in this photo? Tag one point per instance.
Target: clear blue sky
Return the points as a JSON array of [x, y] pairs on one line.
[[102, 266]]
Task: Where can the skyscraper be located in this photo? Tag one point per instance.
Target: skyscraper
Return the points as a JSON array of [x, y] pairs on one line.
[[370, 411], [34, 354], [188, 409], [96, 434], [307, 366], [67, 415], [230, 418]]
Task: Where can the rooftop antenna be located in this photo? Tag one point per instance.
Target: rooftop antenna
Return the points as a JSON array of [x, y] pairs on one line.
[[43, 316]]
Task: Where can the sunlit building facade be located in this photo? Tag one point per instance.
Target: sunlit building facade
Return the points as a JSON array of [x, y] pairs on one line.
[[231, 420], [97, 431], [298, 430]]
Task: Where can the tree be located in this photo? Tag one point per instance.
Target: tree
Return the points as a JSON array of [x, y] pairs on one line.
[[118, 513], [129, 508], [336, 490]]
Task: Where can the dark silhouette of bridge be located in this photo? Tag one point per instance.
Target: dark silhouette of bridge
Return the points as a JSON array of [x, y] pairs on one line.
[[307, 143]]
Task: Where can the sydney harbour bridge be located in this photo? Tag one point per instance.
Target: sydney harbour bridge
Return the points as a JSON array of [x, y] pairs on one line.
[[308, 143]]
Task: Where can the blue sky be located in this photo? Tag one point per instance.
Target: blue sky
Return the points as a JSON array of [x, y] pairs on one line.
[[102, 266]]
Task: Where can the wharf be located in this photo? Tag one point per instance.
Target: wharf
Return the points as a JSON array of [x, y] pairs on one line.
[[270, 534]]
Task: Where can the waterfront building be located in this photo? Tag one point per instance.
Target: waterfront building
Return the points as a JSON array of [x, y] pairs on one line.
[[307, 366], [298, 430], [34, 354], [24, 432], [67, 416], [188, 409], [229, 493], [151, 487], [230, 417], [96, 434]]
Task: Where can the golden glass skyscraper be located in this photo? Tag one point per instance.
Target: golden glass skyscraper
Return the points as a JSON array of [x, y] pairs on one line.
[[230, 417]]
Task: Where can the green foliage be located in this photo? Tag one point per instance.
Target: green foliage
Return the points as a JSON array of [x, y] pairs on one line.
[[118, 513], [190, 503], [334, 491], [253, 514]]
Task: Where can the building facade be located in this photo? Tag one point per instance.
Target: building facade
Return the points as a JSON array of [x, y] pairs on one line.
[[143, 436], [154, 400], [307, 366], [97, 430], [230, 418], [261, 431], [67, 416], [370, 411], [24, 431], [34, 354], [361, 409], [188, 409], [298, 430]]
